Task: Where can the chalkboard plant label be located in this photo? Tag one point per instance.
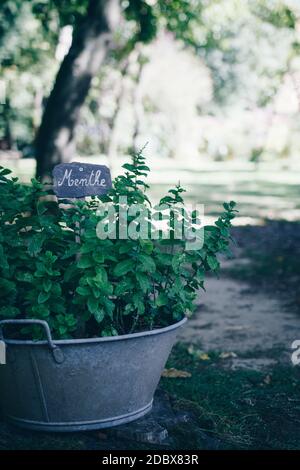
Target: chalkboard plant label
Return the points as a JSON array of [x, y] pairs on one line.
[[76, 180]]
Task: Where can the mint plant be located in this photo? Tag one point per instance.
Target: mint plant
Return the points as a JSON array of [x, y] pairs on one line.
[[54, 266]]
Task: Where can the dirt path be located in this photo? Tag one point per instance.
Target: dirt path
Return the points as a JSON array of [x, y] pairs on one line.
[[233, 316]]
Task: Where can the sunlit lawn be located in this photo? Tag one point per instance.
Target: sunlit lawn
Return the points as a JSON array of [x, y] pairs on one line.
[[260, 194]]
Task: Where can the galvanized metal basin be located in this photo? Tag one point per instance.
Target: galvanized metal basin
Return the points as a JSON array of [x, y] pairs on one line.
[[76, 385]]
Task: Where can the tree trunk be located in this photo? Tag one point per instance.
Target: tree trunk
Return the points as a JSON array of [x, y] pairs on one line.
[[91, 41], [8, 138]]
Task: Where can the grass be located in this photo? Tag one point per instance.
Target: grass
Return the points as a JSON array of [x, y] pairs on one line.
[[242, 409]]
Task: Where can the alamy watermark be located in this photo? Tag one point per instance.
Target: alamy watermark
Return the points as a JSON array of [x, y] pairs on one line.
[[295, 357], [162, 222], [2, 353]]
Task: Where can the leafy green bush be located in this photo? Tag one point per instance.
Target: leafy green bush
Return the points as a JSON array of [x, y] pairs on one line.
[[54, 267]]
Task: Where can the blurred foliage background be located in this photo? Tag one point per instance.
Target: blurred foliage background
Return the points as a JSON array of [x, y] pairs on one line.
[[212, 85]]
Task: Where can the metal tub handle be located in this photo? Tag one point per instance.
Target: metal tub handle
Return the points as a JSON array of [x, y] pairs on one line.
[[56, 351]]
